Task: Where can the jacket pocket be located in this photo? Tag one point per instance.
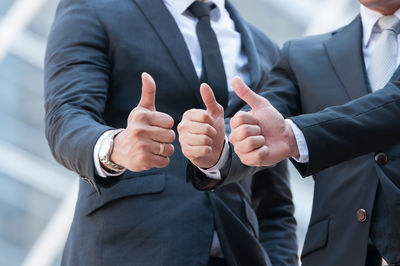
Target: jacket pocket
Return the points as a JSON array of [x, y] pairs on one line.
[[251, 218], [317, 237], [138, 185]]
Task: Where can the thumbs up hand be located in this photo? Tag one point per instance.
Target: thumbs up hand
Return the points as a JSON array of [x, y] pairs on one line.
[[202, 132], [146, 141], [260, 137]]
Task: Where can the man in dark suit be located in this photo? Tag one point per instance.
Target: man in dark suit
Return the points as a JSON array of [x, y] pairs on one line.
[[355, 218], [148, 214]]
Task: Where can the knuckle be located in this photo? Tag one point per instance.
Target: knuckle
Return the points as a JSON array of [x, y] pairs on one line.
[[138, 132], [209, 130], [205, 150], [142, 146], [207, 140], [140, 116], [170, 150], [171, 136], [251, 142], [143, 159], [259, 156], [220, 108], [204, 116]]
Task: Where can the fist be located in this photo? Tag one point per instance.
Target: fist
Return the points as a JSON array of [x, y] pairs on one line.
[[260, 137], [202, 132], [146, 142]]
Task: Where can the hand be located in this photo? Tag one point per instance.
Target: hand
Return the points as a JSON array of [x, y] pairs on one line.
[[260, 137], [202, 132], [138, 146]]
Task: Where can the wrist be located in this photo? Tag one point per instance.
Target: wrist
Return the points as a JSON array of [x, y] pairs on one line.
[[293, 147], [107, 148]]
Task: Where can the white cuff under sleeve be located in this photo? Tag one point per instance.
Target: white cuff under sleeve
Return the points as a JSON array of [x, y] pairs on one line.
[[215, 171], [99, 170], [301, 143]]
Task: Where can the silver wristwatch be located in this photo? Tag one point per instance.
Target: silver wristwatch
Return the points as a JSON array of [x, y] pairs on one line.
[[106, 148]]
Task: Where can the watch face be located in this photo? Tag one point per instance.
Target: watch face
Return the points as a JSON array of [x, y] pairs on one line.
[[105, 149]]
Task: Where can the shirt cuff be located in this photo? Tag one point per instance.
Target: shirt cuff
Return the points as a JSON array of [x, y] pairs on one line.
[[97, 164], [215, 171], [301, 143]]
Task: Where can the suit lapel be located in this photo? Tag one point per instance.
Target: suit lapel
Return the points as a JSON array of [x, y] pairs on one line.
[[344, 49], [250, 51], [396, 74], [165, 26]]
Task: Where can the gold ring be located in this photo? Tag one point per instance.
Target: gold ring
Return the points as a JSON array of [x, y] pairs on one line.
[[161, 149]]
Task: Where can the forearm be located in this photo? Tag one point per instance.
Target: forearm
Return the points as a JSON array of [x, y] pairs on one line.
[[72, 136], [367, 124], [76, 86]]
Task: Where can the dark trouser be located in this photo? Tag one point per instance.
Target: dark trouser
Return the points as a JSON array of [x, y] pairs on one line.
[[216, 262], [373, 256]]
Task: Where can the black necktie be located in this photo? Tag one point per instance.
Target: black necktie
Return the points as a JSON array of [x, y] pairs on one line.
[[213, 66]]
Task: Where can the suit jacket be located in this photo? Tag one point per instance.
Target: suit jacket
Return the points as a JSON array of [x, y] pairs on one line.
[[96, 53], [372, 117], [328, 70]]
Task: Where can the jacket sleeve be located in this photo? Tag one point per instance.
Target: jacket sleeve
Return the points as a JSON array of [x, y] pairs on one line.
[[361, 126], [77, 70], [282, 91], [272, 201]]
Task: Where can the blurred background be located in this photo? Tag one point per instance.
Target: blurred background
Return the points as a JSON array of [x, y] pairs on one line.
[[37, 196]]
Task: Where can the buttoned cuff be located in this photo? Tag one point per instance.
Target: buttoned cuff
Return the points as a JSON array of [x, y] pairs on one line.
[[301, 143], [215, 171], [97, 164]]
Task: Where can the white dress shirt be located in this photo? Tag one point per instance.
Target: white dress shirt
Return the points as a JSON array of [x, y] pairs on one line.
[[371, 33]]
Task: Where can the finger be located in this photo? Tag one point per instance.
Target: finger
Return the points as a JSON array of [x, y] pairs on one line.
[[245, 131], [197, 128], [156, 161], [147, 99], [166, 151], [161, 135], [198, 115], [246, 94], [213, 107], [243, 118], [249, 144], [256, 157], [158, 134], [159, 119], [192, 152], [195, 140]]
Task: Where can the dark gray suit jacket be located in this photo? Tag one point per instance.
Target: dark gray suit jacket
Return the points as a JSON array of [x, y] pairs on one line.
[[371, 117], [96, 53], [328, 70]]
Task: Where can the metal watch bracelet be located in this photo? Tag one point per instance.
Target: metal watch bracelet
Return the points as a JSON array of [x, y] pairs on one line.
[[106, 158]]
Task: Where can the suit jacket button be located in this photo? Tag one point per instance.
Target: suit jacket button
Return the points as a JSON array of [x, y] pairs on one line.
[[362, 215], [381, 158]]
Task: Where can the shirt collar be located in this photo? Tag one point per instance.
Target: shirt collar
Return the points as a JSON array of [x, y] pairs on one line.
[[181, 5], [369, 18]]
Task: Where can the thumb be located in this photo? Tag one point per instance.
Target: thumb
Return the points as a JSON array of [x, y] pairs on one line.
[[207, 94], [246, 94], [147, 99]]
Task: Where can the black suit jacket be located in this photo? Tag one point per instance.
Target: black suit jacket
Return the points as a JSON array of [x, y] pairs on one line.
[[328, 70], [373, 120], [96, 53]]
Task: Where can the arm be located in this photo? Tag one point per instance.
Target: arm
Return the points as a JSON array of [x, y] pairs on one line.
[[364, 125], [282, 90], [361, 126], [272, 201], [76, 80]]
